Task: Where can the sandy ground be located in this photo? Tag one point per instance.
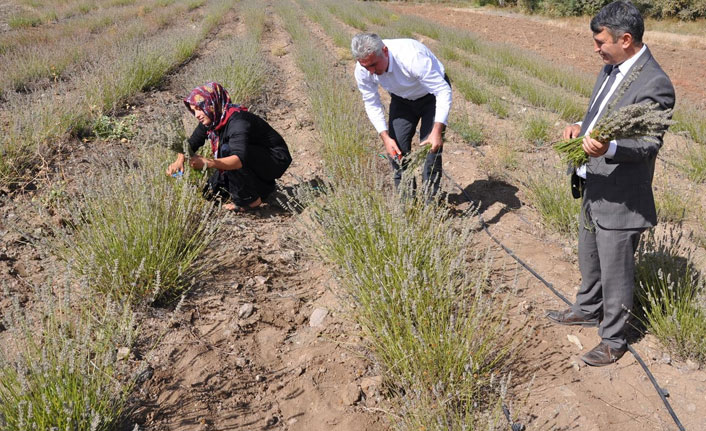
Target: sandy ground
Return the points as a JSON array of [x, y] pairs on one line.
[[682, 57]]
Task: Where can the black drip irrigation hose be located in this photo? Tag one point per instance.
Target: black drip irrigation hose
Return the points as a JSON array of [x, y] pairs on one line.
[[663, 394]]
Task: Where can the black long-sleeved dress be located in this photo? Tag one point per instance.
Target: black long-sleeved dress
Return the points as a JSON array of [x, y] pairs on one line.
[[262, 151]]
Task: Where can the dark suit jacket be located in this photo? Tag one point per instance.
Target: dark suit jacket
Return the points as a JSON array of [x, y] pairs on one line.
[[619, 190]]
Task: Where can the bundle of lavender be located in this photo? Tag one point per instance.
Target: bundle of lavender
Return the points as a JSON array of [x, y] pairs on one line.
[[632, 121], [415, 159]]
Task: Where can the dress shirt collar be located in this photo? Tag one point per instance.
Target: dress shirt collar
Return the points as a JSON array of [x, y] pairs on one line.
[[391, 63], [625, 66]]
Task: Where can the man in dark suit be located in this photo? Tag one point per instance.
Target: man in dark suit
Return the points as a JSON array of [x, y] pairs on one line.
[[616, 183]]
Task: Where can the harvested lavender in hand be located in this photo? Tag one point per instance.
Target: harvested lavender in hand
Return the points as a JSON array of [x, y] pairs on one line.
[[632, 121]]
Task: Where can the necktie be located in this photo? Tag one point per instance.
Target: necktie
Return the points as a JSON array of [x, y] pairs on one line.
[[597, 104]]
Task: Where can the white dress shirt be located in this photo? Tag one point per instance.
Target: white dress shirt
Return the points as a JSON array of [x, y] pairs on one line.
[[413, 72], [622, 71]]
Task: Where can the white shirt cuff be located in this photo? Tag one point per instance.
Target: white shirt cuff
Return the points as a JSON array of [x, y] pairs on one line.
[[612, 148]]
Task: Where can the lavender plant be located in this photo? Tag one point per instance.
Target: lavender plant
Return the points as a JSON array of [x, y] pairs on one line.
[[631, 121], [671, 296], [409, 271], [548, 193], [63, 370], [138, 233]]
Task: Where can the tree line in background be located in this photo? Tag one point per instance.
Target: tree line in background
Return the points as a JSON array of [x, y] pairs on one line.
[[680, 9]]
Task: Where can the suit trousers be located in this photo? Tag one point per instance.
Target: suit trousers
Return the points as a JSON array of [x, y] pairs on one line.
[[405, 114], [607, 266]]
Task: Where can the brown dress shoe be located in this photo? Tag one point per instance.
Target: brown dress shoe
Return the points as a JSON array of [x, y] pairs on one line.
[[568, 317], [603, 355]]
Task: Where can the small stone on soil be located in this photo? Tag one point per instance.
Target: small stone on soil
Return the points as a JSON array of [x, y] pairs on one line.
[[370, 384], [351, 394], [123, 353], [317, 317], [241, 362], [575, 340], [246, 310]]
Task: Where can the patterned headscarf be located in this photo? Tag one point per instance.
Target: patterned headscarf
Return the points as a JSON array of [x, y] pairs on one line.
[[215, 102]]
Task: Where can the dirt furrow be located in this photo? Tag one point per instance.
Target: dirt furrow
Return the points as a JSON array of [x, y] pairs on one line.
[[243, 351]]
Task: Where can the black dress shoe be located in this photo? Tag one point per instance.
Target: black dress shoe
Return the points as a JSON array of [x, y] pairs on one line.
[[603, 355], [568, 317]]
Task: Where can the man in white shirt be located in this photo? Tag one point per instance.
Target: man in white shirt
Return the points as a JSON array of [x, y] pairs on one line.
[[419, 90], [616, 183]]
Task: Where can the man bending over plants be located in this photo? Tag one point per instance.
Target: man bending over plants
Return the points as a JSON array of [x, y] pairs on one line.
[[248, 154], [419, 89]]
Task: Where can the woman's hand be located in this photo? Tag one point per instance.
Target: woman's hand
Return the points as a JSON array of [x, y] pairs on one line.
[[177, 166], [198, 162]]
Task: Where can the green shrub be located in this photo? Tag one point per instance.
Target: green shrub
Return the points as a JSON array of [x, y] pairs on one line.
[[22, 21], [471, 132], [138, 233], [194, 4], [536, 129], [62, 370], [549, 193], [106, 127], [673, 205], [692, 122], [427, 316], [670, 299], [695, 163]]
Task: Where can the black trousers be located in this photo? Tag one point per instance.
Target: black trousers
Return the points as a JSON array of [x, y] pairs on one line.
[[242, 186], [405, 114], [254, 180]]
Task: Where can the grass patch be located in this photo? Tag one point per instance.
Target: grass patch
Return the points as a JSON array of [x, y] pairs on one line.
[[694, 165], [673, 205], [692, 122], [470, 90], [24, 21], [63, 371], [567, 107], [106, 127], [340, 36], [194, 4], [549, 193], [240, 68], [536, 129], [471, 131], [114, 3], [347, 15], [138, 233], [670, 298]]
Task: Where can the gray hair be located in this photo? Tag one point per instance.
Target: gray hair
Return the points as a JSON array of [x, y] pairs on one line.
[[364, 44], [618, 18]]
